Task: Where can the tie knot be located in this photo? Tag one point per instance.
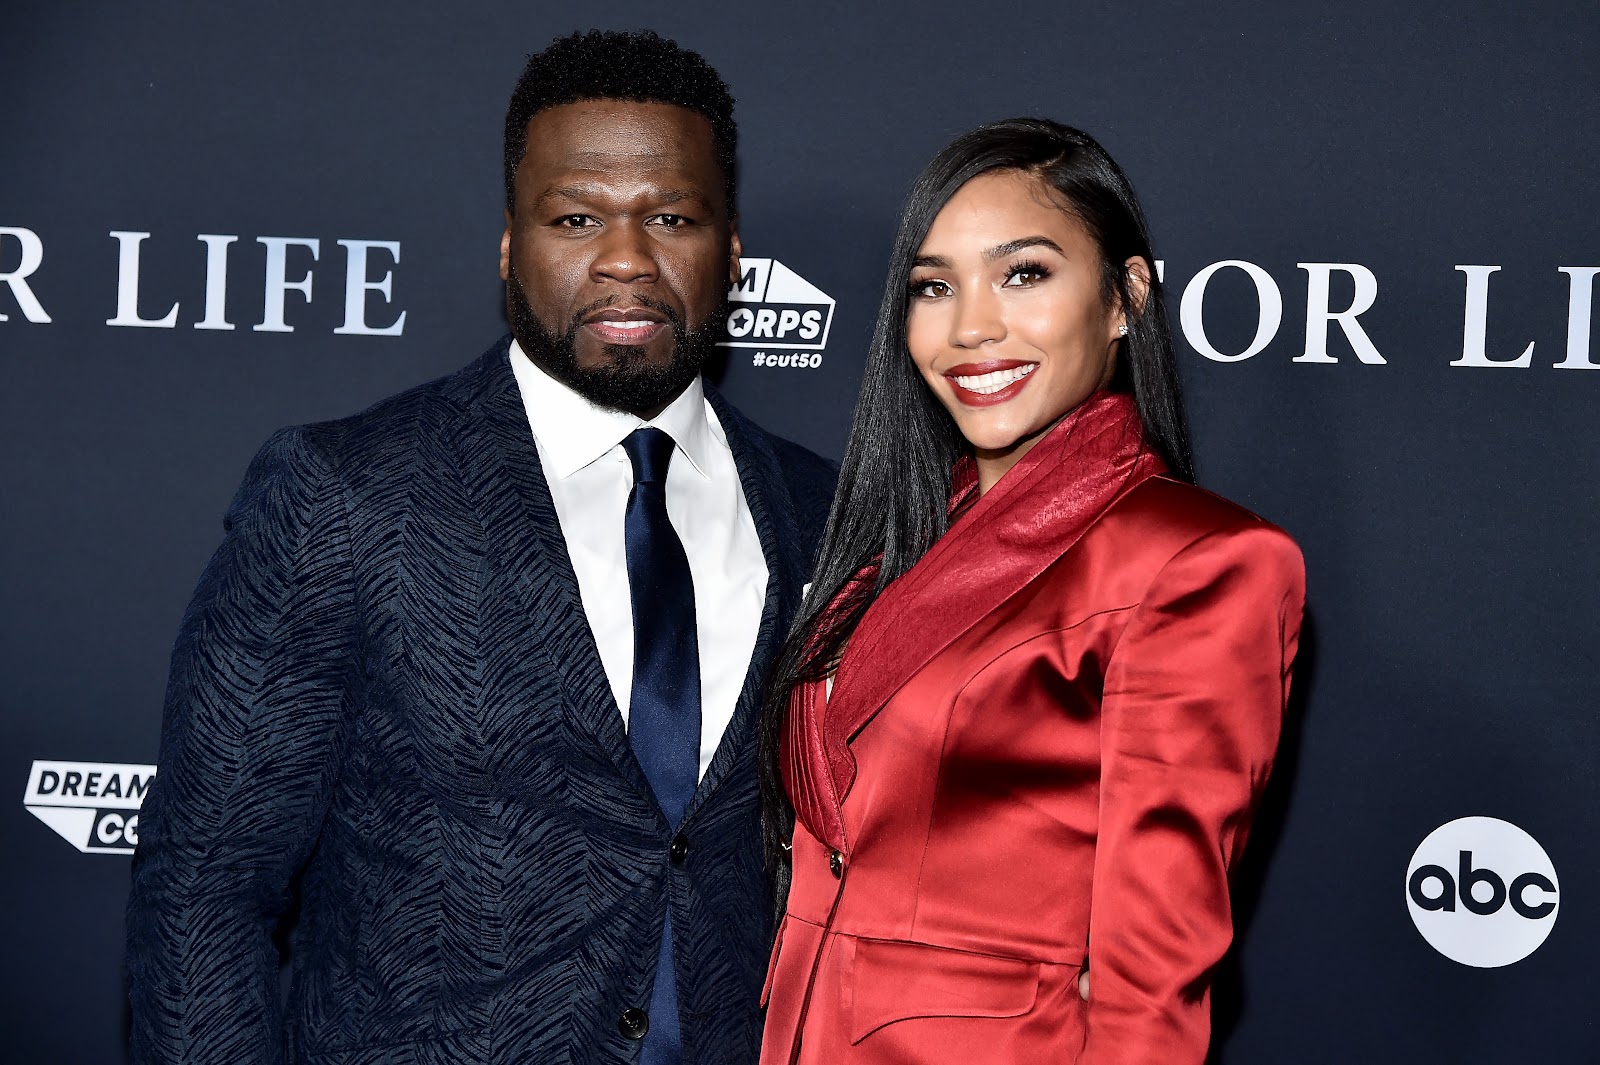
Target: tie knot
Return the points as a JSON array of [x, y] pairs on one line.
[[650, 451]]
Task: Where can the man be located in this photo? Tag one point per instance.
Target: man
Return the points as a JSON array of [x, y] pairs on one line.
[[477, 671]]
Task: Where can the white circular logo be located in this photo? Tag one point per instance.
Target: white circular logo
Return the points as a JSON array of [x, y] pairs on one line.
[[1482, 892]]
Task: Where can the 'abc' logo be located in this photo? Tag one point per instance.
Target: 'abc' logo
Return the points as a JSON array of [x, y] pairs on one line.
[[1482, 892]]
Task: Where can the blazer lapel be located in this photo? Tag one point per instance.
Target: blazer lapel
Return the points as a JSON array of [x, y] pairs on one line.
[[772, 509], [1000, 543], [527, 546]]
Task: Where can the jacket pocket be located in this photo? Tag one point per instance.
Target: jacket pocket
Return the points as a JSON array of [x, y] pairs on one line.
[[893, 980], [457, 1047]]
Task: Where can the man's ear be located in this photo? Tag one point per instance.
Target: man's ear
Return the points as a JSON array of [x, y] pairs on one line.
[[505, 249], [735, 249]]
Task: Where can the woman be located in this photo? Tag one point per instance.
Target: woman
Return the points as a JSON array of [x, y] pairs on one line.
[[1035, 690]]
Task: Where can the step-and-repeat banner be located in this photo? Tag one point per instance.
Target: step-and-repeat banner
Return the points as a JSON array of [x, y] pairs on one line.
[[1380, 236]]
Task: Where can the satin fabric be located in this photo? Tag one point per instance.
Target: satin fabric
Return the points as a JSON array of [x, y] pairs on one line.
[[1044, 746]]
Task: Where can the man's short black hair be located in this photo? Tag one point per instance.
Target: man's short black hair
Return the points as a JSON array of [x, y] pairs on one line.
[[641, 66]]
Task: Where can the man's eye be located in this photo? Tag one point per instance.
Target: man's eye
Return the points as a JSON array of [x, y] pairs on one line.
[[576, 221], [671, 221]]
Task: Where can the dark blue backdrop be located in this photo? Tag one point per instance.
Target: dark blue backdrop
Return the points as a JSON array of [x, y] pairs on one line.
[[1447, 508]]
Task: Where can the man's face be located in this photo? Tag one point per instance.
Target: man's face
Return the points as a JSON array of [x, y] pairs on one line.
[[620, 250]]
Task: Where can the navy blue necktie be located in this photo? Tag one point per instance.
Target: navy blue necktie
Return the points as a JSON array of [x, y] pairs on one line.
[[664, 709]]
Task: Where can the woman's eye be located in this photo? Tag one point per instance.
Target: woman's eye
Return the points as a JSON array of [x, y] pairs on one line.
[[1025, 275], [930, 289]]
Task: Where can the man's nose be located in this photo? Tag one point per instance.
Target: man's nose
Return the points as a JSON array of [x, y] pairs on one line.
[[623, 255]]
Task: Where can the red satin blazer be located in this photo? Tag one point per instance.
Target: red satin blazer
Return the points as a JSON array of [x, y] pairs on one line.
[[1043, 749]]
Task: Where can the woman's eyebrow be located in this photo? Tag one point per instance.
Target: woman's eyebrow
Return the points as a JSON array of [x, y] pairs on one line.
[[999, 251], [1011, 247]]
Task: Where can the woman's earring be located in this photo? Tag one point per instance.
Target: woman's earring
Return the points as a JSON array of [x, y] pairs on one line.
[[1122, 330]]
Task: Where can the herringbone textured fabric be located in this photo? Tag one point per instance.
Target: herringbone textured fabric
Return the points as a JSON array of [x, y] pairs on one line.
[[385, 691]]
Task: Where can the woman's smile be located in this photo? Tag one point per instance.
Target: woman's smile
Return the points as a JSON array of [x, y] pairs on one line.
[[985, 384]]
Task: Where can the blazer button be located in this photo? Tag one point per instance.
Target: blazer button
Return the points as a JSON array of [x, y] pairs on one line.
[[679, 849], [634, 1023], [836, 864]]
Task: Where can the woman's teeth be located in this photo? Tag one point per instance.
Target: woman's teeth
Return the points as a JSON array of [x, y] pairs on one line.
[[986, 384]]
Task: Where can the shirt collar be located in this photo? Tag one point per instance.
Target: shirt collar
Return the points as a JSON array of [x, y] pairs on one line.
[[572, 432]]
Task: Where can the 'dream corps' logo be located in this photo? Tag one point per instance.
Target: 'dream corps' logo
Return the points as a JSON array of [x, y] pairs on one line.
[[774, 307], [92, 805]]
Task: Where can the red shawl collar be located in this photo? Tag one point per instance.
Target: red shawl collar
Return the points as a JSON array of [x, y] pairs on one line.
[[999, 543]]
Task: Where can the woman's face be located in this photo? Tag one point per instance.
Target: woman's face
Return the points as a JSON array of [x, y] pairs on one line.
[[1005, 320]]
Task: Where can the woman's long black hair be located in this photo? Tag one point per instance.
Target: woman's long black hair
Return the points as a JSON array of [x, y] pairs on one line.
[[894, 485]]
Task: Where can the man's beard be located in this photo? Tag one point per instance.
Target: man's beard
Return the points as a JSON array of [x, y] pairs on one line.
[[624, 381]]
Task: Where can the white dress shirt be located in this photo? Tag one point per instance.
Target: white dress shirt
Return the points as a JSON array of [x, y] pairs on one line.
[[580, 449]]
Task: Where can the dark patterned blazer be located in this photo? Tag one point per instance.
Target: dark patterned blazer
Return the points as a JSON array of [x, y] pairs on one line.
[[385, 698]]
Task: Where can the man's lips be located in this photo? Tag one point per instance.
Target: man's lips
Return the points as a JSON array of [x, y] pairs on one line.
[[636, 325], [984, 384]]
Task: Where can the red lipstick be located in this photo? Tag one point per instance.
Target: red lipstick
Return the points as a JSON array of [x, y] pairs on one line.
[[982, 379]]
